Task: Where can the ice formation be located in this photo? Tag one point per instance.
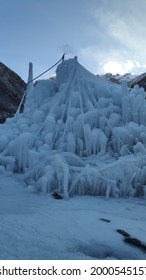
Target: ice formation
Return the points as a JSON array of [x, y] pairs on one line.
[[78, 134]]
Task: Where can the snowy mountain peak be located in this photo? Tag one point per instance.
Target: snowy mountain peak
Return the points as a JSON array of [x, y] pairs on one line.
[[118, 79], [78, 134]]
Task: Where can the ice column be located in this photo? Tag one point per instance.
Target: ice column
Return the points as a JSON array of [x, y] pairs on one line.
[[30, 77], [28, 88]]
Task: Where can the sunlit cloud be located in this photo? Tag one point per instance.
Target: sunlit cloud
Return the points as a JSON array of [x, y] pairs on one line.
[[120, 68], [120, 37]]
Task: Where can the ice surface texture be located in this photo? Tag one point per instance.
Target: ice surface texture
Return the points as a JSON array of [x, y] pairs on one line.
[[78, 134]]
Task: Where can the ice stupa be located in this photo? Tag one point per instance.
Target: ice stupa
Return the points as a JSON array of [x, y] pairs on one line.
[[78, 134]]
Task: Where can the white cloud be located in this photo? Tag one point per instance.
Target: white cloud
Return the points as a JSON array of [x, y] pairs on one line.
[[115, 67], [99, 62], [91, 59], [119, 37]]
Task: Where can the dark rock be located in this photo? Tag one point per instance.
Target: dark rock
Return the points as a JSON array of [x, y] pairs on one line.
[[105, 220], [143, 246], [139, 80], [134, 241], [11, 91], [132, 81], [123, 232], [57, 196]]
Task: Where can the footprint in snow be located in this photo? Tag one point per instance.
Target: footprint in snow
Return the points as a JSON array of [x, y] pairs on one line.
[[105, 220]]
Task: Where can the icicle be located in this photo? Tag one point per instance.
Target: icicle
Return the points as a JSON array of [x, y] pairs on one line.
[[124, 88], [64, 169], [71, 145], [108, 191], [83, 129], [20, 149], [144, 190]]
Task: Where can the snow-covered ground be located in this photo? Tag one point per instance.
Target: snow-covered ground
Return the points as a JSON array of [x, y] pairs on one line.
[[36, 226]]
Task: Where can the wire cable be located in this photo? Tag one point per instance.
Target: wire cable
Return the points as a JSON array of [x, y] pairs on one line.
[[61, 59]]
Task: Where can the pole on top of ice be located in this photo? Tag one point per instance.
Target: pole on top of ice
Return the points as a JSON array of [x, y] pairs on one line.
[[28, 87], [30, 76], [63, 57]]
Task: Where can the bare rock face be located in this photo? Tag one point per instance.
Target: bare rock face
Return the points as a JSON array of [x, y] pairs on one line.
[[11, 90]]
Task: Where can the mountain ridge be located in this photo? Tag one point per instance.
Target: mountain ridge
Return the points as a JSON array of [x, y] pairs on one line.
[[11, 90], [132, 80]]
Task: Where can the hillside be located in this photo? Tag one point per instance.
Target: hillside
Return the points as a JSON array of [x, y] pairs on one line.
[[11, 90], [119, 78], [132, 80]]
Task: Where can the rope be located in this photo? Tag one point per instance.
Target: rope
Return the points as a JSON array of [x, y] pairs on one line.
[[25, 92], [19, 107], [61, 59]]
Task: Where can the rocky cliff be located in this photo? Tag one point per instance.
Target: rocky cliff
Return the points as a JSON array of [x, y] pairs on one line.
[[11, 90]]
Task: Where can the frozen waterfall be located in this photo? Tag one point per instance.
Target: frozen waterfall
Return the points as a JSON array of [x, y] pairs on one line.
[[78, 134]]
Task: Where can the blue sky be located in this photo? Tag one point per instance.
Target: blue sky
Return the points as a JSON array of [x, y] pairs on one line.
[[106, 35]]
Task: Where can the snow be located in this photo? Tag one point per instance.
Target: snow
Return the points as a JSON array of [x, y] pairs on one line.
[[84, 138], [36, 226]]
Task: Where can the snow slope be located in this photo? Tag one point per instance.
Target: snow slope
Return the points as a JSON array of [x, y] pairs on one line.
[[36, 226]]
